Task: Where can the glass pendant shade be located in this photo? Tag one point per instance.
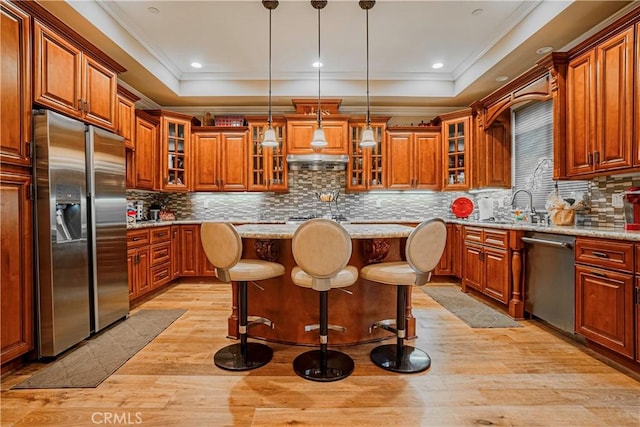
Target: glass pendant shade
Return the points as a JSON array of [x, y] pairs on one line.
[[269, 139], [319, 140], [368, 139]]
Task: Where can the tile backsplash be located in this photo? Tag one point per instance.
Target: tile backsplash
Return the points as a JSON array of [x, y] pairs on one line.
[[301, 200]]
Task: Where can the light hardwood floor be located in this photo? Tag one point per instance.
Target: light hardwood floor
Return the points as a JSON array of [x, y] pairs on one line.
[[517, 377]]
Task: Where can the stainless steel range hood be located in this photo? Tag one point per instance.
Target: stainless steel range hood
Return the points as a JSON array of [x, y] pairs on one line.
[[317, 162]]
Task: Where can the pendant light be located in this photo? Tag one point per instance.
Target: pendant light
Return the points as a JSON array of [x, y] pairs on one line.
[[269, 139], [319, 141], [368, 139]]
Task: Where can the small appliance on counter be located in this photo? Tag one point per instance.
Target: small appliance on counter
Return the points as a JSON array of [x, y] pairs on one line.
[[631, 200]]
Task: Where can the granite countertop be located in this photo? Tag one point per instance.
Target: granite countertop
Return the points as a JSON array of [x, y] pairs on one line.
[[356, 231], [601, 232]]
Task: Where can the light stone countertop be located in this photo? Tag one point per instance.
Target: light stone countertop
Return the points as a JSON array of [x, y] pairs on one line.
[[599, 232], [356, 231]]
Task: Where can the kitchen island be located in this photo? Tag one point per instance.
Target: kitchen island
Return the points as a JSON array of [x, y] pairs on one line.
[[291, 307]]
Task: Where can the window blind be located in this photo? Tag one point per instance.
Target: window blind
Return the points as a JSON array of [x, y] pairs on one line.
[[533, 155]]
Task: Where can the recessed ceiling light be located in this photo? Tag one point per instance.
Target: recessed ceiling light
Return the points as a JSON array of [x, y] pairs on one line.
[[477, 12], [153, 10], [502, 78], [437, 65], [317, 64], [545, 49], [196, 65]]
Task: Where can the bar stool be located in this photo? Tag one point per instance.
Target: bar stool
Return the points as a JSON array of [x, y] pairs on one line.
[[423, 250], [223, 246], [321, 249]]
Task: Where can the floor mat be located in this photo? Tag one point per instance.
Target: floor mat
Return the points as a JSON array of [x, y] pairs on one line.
[[471, 311], [98, 357]]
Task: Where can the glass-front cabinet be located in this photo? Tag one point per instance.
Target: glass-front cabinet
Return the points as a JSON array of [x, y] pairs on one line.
[[366, 167], [175, 135], [456, 165], [267, 166]]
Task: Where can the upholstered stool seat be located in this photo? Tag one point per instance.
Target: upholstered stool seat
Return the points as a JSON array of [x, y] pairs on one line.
[[223, 246], [423, 250], [322, 249]]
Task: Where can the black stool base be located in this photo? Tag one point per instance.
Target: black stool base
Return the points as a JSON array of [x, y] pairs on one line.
[[413, 359], [309, 366], [230, 357]]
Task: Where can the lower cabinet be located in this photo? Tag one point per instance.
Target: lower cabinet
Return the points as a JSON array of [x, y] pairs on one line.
[[605, 305], [487, 265], [451, 261], [16, 280], [176, 254], [160, 252], [138, 263]]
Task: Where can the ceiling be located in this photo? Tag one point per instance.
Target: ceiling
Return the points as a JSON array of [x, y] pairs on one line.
[[476, 41]]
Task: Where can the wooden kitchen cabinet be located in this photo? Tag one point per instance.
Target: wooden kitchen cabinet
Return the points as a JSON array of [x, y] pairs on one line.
[[138, 263], [300, 134], [605, 306], [487, 264], [456, 162], [126, 117], [366, 169], [16, 281], [174, 132], [176, 254], [160, 256], [414, 159], [636, 97], [267, 165], [143, 160], [68, 80], [599, 111], [15, 80], [451, 261], [220, 157], [492, 153], [190, 264]]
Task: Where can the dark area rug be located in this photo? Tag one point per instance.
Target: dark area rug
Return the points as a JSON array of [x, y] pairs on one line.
[[98, 357], [468, 309]]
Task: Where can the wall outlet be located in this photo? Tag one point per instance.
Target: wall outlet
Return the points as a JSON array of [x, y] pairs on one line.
[[616, 200], [378, 203], [205, 204]]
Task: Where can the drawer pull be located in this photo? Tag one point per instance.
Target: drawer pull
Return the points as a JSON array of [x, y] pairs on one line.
[[597, 273], [135, 239], [600, 254], [161, 234]]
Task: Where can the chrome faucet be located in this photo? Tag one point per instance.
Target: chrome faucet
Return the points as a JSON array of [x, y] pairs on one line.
[[513, 199]]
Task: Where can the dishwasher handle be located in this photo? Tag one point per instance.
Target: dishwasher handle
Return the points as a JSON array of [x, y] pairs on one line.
[[547, 242]]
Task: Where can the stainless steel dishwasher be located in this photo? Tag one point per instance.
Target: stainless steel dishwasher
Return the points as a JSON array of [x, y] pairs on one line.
[[549, 279]]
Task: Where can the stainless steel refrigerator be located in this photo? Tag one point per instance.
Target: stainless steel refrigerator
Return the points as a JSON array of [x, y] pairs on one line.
[[81, 230]]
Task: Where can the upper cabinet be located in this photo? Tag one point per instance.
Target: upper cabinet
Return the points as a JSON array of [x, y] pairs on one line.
[[267, 166], [15, 103], [456, 139], [219, 159], [492, 152], [300, 133], [414, 158], [143, 161], [175, 140], [600, 107], [125, 116], [366, 167], [70, 81]]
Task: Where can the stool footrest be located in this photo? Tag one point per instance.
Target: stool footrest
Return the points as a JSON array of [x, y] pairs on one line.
[[257, 320], [316, 326], [387, 324]]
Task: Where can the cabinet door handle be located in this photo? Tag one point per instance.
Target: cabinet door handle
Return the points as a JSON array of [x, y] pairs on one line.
[[596, 157], [590, 159], [86, 106], [600, 254], [80, 105]]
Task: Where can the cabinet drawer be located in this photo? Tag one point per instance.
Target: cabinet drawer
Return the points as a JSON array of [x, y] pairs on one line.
[[160, 234], [136, 238], [473, 234], [160, 274], [605, 254], [496, 238], [160, 253]]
